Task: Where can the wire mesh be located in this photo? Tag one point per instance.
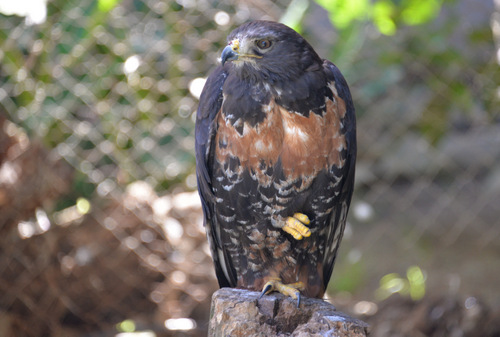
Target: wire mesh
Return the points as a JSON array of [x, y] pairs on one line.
[[99, 220]]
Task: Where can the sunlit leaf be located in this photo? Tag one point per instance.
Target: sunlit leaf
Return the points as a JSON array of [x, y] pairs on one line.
[[416, 278], [383, 12], [413, 285], [416, 12], [107, 5], [127, 325], [343, 12]]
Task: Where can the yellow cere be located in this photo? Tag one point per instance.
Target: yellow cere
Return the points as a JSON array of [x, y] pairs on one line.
[[235, 44]]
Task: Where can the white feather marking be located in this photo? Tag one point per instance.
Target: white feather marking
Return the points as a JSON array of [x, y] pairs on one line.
[[228, 218], [228, 187], [222, 263], [267, 108], [253, 266], [259, 145], [332, 87], [296, 132]]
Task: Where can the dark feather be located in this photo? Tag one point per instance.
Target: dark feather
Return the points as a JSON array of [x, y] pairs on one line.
[[210, 104], [338, 219]]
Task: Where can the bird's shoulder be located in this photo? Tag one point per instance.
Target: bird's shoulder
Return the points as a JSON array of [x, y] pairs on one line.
[[211, 95], [210, 103]]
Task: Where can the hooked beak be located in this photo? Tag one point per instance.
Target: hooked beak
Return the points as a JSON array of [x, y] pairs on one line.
[[230, 53]]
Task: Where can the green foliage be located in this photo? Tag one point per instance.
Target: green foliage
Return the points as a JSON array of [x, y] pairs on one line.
[[107, 5], [386, 15], [383, 13], [127, 325], [417, 12], [413, 285], [343, 12]]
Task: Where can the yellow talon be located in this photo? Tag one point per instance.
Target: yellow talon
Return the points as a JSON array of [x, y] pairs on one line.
[[295, 226], [292, 290]]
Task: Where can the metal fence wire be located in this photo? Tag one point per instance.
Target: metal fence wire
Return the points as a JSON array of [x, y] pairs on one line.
[[100, 223]]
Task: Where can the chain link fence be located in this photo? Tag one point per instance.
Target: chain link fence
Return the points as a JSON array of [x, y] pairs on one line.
[[101, 228]]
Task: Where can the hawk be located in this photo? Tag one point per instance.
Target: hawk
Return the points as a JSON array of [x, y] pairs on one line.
[[275, 155]]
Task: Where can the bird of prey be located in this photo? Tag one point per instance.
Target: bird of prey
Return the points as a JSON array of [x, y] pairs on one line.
[[275, 154]]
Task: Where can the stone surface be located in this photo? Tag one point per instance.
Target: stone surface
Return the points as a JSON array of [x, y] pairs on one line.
[[237, 312]]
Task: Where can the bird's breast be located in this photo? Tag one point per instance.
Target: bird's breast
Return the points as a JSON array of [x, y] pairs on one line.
[[303, 144]]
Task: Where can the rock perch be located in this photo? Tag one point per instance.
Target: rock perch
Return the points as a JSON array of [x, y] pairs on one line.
[[237, 312]]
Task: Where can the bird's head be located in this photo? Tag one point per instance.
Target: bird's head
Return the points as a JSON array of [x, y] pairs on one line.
[[268, 50]]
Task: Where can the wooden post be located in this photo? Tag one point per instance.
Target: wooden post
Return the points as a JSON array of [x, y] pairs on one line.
[[239, 313]]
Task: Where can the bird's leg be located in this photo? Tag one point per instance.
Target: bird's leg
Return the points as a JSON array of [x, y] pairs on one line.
[[292, 290], [296, 226]]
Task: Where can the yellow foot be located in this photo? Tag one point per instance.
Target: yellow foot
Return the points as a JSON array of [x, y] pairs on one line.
[[292, 290], [295, 226]]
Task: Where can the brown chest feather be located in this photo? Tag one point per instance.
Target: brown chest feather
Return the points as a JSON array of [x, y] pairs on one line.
[[305, 145]]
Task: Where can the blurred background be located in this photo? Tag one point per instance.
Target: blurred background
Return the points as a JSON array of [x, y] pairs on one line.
[[100, 224]]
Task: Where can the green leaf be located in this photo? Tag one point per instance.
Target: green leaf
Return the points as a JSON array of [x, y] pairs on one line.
[[383, 12], [343, 12], [386, 15], [416, 278], [416, 12], [127, 325], [107, 5]]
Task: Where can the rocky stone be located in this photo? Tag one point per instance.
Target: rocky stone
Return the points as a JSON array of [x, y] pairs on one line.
[[237, 312]]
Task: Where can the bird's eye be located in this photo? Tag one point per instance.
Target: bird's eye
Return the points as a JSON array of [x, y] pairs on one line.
[[263, 44]]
